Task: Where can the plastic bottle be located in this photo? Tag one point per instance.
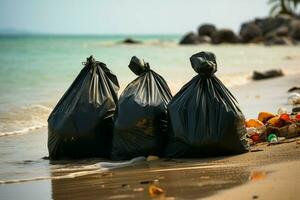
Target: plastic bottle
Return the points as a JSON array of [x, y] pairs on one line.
[[272, 138]]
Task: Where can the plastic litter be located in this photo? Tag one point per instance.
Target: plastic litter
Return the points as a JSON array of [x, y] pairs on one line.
[[285, 125], [282, 111], [205, 118], [272, 138], [81, 123], [294, 98], [141, 126]]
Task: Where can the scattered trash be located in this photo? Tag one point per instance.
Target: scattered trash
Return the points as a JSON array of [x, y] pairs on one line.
[[253, 123], [272, 138], [294, 99], [257, 175], [265, 116], [274, 129], [140, 189], [296, 109], [155, 191], [275, 121], [282, 111]]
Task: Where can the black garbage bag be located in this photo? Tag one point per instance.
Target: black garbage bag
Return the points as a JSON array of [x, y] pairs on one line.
[[141, 126], [81, 124], [204, 117]]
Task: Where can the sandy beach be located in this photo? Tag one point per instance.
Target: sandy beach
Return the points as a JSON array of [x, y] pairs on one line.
[[267, 172]]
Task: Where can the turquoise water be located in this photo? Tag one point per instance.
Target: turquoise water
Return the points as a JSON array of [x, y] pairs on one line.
[[36, 70]]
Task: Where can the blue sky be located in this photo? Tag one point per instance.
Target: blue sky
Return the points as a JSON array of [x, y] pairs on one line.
[[125, 16]]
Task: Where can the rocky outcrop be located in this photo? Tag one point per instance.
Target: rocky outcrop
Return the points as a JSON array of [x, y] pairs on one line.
[[207, 30], [131, 41], [295, 30], [279, 30], [190, 38], [225, 36], [250, 32]]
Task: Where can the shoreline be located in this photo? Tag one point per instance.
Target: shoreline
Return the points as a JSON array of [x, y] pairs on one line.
[[242, 88], [180, 179]]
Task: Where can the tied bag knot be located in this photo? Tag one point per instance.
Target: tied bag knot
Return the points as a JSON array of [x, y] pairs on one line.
[[138, 66], [92, 63], [204, 63]]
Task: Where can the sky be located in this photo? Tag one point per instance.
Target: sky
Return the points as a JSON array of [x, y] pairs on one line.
[[126, 16]]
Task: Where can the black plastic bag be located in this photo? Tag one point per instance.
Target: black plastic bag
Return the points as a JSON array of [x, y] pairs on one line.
[[81, 124], [204, 117], [141, 126]]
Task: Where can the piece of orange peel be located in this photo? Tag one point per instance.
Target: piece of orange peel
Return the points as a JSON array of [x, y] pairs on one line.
[[155, 191]]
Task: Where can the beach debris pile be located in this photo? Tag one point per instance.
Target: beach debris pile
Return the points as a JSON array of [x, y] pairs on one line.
[[273, 128]]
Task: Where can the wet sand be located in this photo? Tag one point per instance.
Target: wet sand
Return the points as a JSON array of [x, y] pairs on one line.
[[180, 178], [217, 178]]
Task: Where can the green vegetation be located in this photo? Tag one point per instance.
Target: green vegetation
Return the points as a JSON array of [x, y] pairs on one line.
[[284, 7]]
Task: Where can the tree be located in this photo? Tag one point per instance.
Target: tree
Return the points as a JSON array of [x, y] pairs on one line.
[[284, 7]]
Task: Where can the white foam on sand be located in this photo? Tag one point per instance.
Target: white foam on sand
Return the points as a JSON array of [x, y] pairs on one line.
[[77, 171], [23, 120]]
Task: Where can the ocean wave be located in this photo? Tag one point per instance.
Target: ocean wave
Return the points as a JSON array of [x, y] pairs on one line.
[[77, 171], [69, 175], [22, 120]]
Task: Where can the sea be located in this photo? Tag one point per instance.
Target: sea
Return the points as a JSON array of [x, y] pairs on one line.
[[36, 70]]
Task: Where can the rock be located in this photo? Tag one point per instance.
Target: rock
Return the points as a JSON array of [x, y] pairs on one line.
[[190, 38], [131, 41], [207, 30], [250, 32], [204, 39], [295, 88], [273, 39], [225, 36], [282, 31], [272, 23], [276, 41], [295, 29], [267, 74]]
